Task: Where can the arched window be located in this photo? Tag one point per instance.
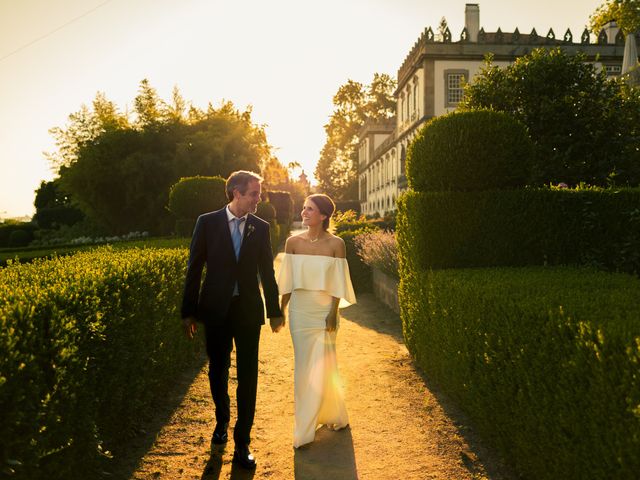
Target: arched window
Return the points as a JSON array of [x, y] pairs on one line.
[[403, 158]]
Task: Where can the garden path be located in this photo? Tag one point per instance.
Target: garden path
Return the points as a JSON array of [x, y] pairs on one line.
[[401, 426]]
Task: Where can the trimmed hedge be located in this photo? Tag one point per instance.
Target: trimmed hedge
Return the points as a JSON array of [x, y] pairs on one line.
[[190, 197], [266, 211], [470, 151], [523, 227], [87, 343], [283, 204], [544, 361]]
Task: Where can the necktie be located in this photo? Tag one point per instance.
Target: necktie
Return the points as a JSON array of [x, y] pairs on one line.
[[236, 236]]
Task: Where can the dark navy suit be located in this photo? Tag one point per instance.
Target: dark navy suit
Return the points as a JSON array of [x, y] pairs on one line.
[[228, 318]]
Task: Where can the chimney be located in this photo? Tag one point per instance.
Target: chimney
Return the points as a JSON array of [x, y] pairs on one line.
[[472, 20], [612, 30]]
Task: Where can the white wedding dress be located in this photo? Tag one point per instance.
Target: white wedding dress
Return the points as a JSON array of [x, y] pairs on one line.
[[313, 281]]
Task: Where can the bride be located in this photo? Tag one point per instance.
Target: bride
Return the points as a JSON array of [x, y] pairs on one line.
[[314, 282]]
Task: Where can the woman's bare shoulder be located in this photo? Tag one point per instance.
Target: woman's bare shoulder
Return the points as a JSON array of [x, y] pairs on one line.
[[338, 246]]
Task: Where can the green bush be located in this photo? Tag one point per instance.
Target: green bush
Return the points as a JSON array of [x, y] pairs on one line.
[[8, 229], [193, 196], [266, 211], [522, 227], [283, 204], [543, 360], [349, 221], [20, 238], [360, 272], [88, 342], [469, 151], [184, 227]]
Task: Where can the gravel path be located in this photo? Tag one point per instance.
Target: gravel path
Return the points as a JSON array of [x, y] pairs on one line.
[[401, 427]]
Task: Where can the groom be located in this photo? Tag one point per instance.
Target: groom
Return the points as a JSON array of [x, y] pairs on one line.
[[235, 246]]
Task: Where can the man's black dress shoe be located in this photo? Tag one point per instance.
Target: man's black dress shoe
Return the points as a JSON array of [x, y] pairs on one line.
[[220, 434], [242, 456]]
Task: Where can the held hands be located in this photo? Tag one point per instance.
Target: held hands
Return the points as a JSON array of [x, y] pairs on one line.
[[190, 326], [276, 323], [332, 321]]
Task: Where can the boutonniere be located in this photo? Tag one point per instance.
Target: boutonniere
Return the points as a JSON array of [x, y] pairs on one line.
[[250, 229]]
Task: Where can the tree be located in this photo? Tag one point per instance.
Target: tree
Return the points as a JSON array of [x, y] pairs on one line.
[[82, 127], [120, 173], [354, 104], [54, 207], [626, 14], [584, 126]]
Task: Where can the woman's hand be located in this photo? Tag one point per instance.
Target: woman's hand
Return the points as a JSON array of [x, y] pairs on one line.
[[332, 322]]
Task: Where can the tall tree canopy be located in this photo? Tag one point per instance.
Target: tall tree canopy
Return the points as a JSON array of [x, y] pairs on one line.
[[626, 13], [354, 103], [120, 170], [585, 127]]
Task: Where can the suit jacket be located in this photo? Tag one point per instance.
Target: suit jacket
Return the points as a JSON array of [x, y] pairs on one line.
[[211, 245]]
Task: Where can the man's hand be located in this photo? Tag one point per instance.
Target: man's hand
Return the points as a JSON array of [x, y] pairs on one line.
[[190, 326], [276, 323]]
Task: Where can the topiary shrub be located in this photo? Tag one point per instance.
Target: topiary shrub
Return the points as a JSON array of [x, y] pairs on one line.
[[266, 211], [193, 196], [20, 238], [470, 151], [283, 204]]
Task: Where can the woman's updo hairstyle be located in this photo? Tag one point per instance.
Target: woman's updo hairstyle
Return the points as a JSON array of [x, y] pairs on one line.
[[325, 206]]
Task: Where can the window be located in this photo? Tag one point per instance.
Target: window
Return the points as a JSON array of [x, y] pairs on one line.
[[415, 96], [613, 69], [454, 81]]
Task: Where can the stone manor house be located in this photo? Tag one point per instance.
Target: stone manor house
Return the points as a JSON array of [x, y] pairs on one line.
[[430, 83]]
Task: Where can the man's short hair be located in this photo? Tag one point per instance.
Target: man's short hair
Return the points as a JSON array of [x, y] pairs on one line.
[[240, 180]]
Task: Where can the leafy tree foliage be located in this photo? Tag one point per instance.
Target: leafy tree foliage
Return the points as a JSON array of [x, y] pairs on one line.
[[626, 13], [54, 207], [354, 104], [120, 171], [585, 127]]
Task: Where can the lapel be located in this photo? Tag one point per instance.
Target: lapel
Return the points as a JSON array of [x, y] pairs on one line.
[[249, 229], [226, 235]]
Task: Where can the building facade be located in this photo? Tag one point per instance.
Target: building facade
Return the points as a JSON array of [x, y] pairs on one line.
[[431, 81]]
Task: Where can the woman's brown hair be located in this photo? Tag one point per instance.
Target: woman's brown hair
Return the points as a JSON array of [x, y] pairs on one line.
[[325, 206]]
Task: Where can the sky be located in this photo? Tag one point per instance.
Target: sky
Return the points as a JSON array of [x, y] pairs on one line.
[[284, 58]]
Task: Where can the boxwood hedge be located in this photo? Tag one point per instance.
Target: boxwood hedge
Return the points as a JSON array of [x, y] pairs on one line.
[[544, 360], [86, 343]]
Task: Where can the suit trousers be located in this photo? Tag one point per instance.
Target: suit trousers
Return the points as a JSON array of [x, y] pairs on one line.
[[220, 339]]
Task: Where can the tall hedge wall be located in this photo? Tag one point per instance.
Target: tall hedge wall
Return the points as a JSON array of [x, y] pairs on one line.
[[87, 342], [544, 361], [523, 227]]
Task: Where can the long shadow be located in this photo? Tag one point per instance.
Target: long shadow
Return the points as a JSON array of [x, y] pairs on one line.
[[127, 456], [213, 468], [371, 313], [331, 455]]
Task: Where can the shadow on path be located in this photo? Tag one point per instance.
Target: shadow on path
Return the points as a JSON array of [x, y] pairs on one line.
[[127, 457], [331, 455], [213, 468], [370, 313]]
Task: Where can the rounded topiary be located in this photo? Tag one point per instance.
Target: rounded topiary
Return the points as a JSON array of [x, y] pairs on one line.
[[283, 204], [266, 211], [20, 238], [193, 196], [470, 151]]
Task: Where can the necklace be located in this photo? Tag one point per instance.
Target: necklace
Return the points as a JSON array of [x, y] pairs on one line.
[[314, 240]]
